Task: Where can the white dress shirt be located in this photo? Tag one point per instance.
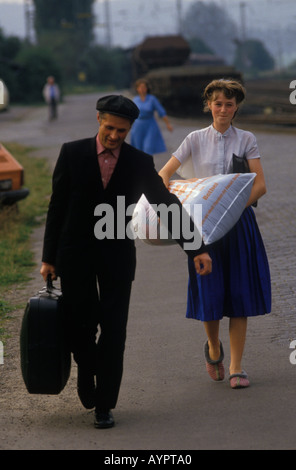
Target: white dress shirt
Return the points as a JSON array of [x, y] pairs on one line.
[[211, 152]]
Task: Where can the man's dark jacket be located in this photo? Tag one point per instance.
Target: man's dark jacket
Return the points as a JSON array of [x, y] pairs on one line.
[[69, 241]]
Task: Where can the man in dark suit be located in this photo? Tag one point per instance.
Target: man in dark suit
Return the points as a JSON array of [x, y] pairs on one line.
[[97, 271]]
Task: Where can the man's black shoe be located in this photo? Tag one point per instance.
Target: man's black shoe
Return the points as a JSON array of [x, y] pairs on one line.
[[86, 388], [104, 420]]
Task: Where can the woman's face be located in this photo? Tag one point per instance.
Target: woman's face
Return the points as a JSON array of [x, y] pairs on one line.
[[223, 109], [142, 88]]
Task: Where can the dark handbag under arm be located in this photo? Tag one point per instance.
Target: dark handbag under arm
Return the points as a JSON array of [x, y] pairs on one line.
[[241, 165]]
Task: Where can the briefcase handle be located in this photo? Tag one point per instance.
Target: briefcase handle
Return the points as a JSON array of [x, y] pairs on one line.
[[49, 284], [50, 289]]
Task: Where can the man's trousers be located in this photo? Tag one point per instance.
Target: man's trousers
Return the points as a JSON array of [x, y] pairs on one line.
[[97, 312]]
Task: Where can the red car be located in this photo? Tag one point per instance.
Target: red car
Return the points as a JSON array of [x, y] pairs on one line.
[[11, 179]]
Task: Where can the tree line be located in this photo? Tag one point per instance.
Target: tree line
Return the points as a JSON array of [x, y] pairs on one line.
[[65, 48]]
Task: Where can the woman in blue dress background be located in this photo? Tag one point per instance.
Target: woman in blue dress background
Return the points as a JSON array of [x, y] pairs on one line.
[[145, 133], [239, 285]]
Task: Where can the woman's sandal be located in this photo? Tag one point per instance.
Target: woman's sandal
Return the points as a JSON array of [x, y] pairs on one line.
[[215, 368], [239, 380]]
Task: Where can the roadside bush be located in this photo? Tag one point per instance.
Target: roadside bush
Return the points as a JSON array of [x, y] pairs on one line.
[[106, 67], [36, 64]]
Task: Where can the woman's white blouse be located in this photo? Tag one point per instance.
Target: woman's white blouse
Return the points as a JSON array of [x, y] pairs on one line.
[[212, 151]]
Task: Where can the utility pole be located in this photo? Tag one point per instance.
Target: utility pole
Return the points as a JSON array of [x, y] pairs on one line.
[[108, 24], [29, 19], [243, 36], [243, 20], [179, 17]]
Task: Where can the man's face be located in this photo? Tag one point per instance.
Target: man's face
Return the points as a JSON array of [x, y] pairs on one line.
[[113, 130]]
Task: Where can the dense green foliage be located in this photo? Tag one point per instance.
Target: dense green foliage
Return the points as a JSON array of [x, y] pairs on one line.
[[252, 57], [65, 48]]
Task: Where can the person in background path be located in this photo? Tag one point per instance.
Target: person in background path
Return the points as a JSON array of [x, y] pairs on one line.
[[239, 285], [51, 94], [145, 134], [91, 174]]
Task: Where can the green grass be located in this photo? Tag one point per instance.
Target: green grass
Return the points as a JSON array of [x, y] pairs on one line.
[[5, 310], [17, 224]]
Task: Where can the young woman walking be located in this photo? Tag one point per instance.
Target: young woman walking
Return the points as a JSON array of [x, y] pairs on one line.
[[239, 285]]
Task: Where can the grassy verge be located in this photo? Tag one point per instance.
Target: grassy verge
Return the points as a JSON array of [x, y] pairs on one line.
[[17, 224]]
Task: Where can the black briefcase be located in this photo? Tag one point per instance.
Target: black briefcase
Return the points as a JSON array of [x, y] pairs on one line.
[[45, 358]]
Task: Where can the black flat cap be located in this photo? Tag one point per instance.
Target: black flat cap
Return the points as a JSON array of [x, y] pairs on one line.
[[118, 105]]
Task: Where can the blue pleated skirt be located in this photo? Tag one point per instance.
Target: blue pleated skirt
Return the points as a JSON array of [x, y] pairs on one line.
[[146, 136], [239, 285]]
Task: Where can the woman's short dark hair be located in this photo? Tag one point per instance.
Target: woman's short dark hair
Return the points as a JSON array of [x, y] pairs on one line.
[[145, 81], [229, 87]]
